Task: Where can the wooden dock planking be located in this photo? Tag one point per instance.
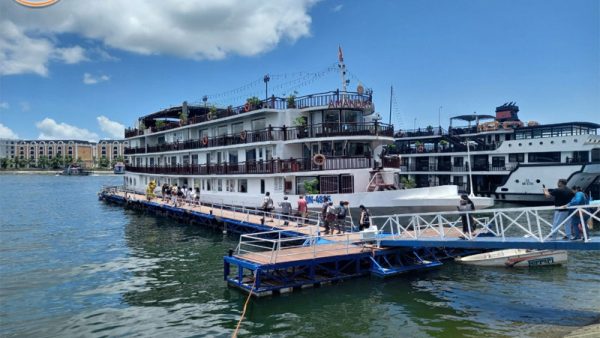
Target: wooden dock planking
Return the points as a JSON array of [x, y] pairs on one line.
[[287, 255]]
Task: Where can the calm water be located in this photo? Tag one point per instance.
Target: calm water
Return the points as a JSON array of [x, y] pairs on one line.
[[73, 266]]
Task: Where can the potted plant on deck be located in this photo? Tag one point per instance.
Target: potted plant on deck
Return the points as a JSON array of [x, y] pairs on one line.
[[301, 126], [212, 113], [291, 100]]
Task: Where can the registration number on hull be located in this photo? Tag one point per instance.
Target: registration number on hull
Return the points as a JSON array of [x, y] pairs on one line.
[[541, 261]]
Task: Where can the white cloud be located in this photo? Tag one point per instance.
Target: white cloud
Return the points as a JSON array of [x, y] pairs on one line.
[[89, 79], [70, 55], [4, 105], [6, 132], [21, 53], [51, 130], [112, 128], [189, 29], [337, 8]]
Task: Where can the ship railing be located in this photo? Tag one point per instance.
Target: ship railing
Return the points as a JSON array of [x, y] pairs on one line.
[[113, 189], [269, 219], [257, 167], [332, 99], [534, 223], [272, 134], [275, 246]]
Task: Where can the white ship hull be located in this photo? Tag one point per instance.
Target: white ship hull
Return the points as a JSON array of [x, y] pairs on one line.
[[442, 198], [516, 258]]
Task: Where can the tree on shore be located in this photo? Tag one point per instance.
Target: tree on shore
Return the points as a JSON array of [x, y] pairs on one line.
[[56, 162], [43, 162], [104, 162]]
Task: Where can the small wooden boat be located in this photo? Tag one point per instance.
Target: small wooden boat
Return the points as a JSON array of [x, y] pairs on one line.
[[516, 258]]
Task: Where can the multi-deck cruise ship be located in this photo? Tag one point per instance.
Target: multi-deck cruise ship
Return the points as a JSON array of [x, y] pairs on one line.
[[326, 144], [501, 156], [319, 145]]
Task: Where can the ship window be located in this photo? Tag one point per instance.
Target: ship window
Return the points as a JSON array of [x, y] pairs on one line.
[[219, 185], [545, 157], [517, 181], [307, 185], [519, 158], [230, 185], [331, 116], [458, 161], [237, 128], [222, 130], [351, 116], [258, 124], [208, 185], [329, 184], [233, 157], [278, 184], [537, 181], [520, 144], [346, 184], [243, 185], [250, 155], [262, 186]]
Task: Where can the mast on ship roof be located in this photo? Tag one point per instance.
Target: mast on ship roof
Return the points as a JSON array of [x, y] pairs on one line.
[[391, 96], [342, 67]]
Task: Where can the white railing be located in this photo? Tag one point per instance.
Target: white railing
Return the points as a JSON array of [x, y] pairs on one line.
[[535, 223], [272, 246]]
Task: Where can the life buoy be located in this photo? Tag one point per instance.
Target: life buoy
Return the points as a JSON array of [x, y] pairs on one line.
[[247, 107], [205, 140], [243, 135], [319, 159]]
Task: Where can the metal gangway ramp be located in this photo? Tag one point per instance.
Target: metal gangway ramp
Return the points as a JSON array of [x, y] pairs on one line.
[[510, 228]]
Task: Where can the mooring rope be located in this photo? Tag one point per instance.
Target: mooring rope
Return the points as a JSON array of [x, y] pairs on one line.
[[235, 333]]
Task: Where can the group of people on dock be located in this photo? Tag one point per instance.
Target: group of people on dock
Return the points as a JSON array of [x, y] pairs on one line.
[[565, 197], [332, 216], [179, 196]]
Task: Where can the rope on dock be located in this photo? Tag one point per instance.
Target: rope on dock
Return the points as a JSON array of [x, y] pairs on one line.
[[235, 333]]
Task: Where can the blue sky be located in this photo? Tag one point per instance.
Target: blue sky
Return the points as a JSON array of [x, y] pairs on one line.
[[466, 56]]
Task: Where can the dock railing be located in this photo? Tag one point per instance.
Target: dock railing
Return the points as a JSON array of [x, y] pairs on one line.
[[273, 246], [535, 223]]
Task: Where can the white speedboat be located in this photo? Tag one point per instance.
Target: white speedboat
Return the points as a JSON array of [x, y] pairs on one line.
[[516, 258]]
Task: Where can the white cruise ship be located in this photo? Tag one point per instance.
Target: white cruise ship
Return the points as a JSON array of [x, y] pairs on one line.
[[508, 159], [318, 145]]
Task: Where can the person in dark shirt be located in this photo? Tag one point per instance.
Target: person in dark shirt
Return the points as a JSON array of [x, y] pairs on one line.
[[562, 196]]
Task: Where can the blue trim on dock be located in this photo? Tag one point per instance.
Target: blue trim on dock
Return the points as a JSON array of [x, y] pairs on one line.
[[488, 243]]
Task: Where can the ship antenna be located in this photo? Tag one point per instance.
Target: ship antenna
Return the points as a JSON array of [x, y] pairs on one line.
[[342, 67]]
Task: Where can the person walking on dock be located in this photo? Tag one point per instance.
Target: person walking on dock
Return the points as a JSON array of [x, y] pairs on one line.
[[163, 191], [365, 218], [286, 209], [267, 205], [562, 196], [468, 223], [302, 210], [197, 197], [324, 208], [174, 194], [330, 217], [340, 223], [578, 199]]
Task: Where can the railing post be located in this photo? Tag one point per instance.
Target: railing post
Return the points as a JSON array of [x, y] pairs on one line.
[[539, 226]]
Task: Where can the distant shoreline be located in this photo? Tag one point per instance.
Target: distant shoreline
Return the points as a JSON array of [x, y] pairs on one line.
[[49, 172]]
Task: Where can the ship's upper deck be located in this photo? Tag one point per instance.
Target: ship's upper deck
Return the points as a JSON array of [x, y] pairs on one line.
[[185, 115]]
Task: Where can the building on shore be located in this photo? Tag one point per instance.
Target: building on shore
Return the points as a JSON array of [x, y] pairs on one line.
[[41, 153]]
